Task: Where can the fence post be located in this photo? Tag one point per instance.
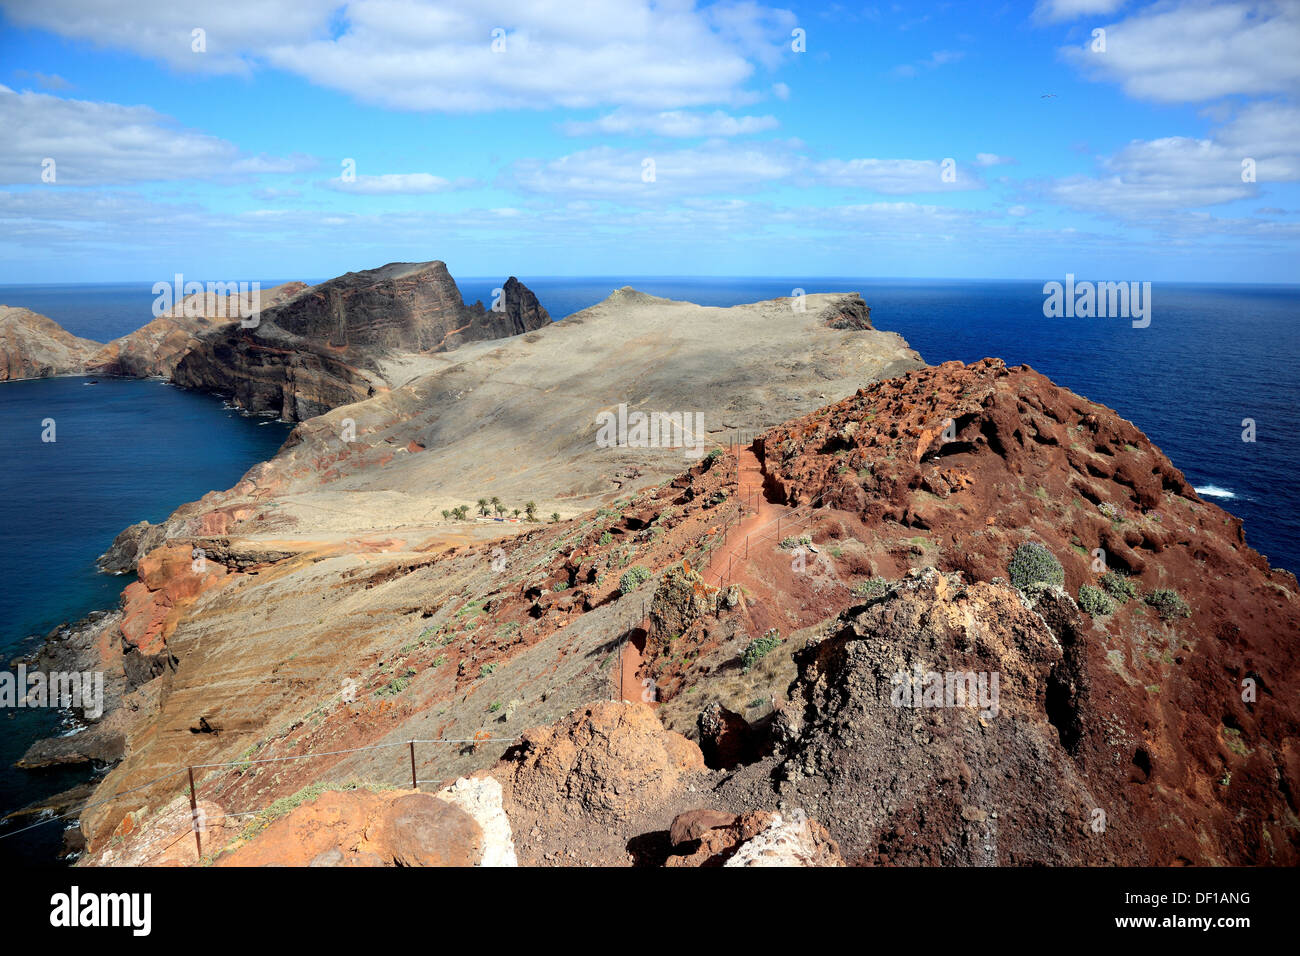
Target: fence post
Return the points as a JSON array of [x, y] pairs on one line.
[[414, 785], [194, 815]]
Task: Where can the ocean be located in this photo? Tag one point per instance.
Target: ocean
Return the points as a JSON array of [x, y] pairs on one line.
[[1212, 357], [123, 451]]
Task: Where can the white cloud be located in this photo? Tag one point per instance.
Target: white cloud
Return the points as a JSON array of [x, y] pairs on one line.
[[1181, 173], [409, 54], [935, 60], [605, 172], [106, 143], [1056, 10], [677, 123], [1200, 51], [235, 30], [894, 176], [394, 184], [46, 81]]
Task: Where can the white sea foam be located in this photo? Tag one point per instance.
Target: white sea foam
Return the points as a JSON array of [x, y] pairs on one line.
[[1214, 491]]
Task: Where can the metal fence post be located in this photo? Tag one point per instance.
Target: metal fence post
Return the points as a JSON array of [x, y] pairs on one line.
[[414, 784], [194, 815]]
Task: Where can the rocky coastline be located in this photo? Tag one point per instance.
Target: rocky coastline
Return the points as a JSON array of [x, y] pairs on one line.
[[666, 675]]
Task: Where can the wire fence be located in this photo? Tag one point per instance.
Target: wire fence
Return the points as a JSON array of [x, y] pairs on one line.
[[193, 789]]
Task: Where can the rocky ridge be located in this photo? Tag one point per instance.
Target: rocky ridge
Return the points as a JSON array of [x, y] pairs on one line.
[[332, 344], [33, 346]]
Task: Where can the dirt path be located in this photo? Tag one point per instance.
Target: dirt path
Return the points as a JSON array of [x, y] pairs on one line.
[[729, 563], [630, 664], [732, 554]]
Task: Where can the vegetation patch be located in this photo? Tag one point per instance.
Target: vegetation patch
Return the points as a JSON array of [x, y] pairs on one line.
[[1094, 601], [758, 649], [1034, 564], [1118, 586], [1168, 603], [633, 578]]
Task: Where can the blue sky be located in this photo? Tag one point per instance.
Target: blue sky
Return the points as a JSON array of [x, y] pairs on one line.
[[228, 162]]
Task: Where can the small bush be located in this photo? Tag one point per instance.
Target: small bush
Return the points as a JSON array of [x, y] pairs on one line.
[[606, 538], [1168, 603], [757, 649], [1119, 587], [1094, 601], [486, 669], [873, 588], [1109, 510], [633, 578], [393, 687], [1033, 563]]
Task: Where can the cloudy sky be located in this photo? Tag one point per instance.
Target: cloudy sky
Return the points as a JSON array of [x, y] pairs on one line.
[[280, 139]]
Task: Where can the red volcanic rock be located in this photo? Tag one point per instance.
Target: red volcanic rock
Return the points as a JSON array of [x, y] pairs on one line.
[[610, 759], [1162, 717], [170, 578], [693, 824], [421, 830], [364, 828]]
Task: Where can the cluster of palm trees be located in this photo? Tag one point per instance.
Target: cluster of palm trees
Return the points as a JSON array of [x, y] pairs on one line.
[[486, 506]]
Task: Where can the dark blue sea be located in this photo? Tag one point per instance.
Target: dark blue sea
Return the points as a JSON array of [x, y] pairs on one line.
[[123, 451], [1211, 357]]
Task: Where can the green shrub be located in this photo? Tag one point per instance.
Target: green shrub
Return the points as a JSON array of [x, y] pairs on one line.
[[1168, 603], [872, 588], [606, 538], [757, 649], [1033, 563], [393, 687], [1118, 586], [633, 578], [1094, 601]]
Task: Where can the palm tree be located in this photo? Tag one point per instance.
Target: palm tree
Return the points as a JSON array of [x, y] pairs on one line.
[[483, 506], [516, 513], [446, 515], [500, 508], [530, 510], [496, 502], [555, 516]]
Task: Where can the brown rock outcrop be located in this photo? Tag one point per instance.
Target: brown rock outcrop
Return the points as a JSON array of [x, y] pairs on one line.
[[33, 346], [155, 349], [325, 346], [610, 759]]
